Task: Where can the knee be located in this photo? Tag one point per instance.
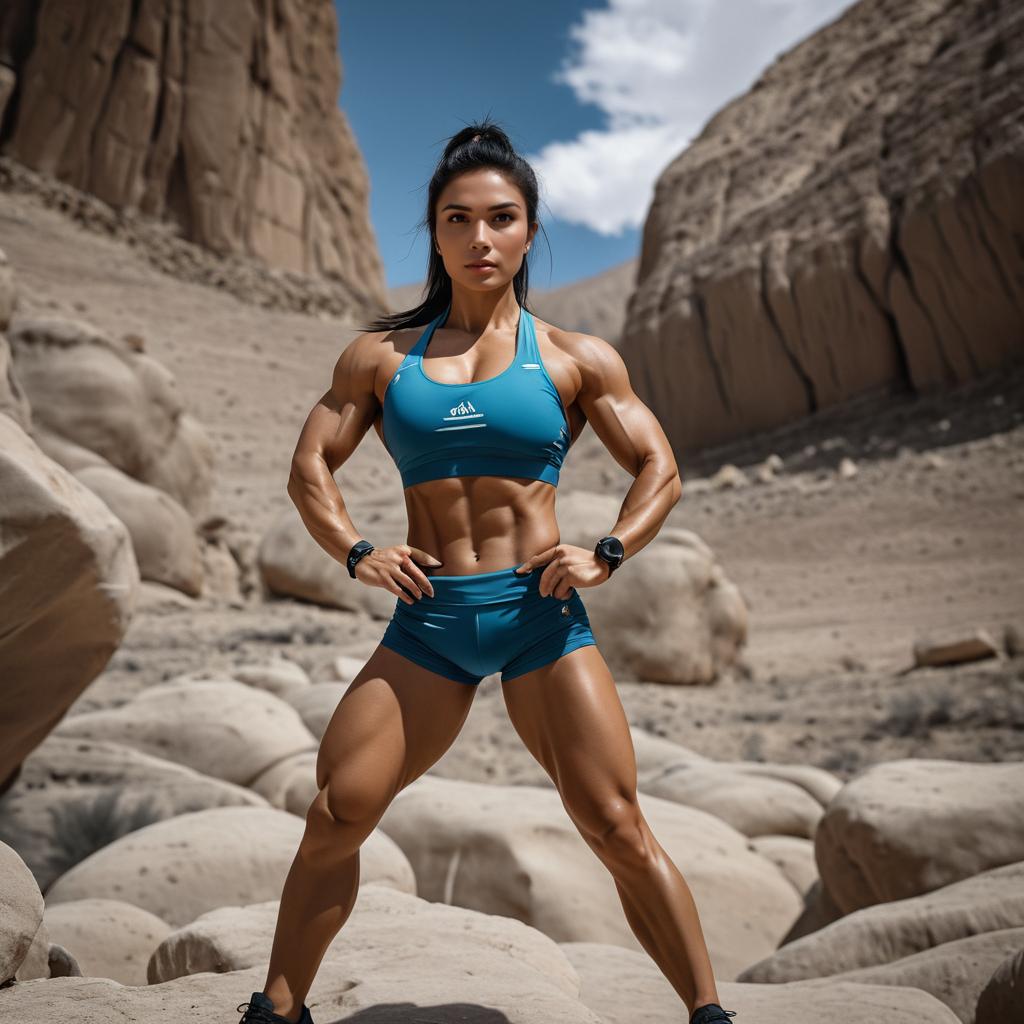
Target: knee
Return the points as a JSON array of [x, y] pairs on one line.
[[354, 803], [615, 828]]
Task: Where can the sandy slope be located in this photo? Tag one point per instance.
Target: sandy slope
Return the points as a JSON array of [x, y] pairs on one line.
[[841, 575]]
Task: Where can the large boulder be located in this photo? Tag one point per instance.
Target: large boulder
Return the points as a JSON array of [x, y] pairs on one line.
[[398, 957], [209, 726], [753, 802], [292, 564], [756, 798], [954, 972], [1003, 995], [108, 938], [316, 704], [116, 401], [671, 615], [900, 828], [74, 796], [164, 538], [625, 986], [987, 902], [290, 783], [513, 850], [223, 857], [21, 912], [237, 938], [793, 856], [68, 583]]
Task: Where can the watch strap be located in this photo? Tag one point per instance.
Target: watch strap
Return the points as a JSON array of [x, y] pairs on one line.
[[357, 551]]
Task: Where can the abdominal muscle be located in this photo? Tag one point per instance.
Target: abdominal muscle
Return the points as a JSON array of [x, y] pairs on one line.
[[476, 524]]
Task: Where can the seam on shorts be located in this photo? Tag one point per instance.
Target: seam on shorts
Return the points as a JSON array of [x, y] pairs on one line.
[[582, 641]]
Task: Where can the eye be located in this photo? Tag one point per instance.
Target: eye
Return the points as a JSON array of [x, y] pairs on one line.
[[451, 219]]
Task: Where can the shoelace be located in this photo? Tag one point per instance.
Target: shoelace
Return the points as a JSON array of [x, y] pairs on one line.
[[253, 1014], [717, 1015]]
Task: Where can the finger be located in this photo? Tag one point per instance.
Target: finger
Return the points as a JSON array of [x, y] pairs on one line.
[[550, 577], [425, 559], [534, 560], [421, 579], [408, 583], [390, 584]]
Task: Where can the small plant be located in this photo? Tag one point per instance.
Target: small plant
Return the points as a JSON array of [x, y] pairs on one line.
[[82, 827]]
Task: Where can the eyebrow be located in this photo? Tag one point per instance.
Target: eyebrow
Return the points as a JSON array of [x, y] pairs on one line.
[[496, 206]]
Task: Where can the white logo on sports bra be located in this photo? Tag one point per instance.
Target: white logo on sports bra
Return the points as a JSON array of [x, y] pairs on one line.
[[464, 411]]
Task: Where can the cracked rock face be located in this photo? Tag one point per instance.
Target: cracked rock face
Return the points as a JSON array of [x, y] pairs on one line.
[[219, 118], [853, 224]]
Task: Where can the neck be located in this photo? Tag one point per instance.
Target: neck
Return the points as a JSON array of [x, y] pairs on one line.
[[480, 313]]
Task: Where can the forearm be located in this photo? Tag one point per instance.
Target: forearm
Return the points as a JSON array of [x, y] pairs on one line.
[[654, 491], [321, 507]]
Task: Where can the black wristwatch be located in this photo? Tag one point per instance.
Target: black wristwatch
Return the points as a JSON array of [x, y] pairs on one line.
[[360, 548], [611, 550]]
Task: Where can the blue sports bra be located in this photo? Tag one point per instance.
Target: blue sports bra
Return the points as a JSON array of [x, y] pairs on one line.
[[511, 425]]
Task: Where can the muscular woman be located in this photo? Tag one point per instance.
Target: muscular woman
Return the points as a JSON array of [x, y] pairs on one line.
[[478, 403]]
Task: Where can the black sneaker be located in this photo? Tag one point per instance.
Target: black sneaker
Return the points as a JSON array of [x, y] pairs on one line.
[[260, 1010], [711, 1013]]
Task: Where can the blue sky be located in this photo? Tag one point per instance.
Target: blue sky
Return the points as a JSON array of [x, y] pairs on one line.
[[599, 96]]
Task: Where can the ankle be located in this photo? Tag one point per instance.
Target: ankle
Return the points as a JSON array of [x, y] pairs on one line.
[[286, 1007], [712, 1000]]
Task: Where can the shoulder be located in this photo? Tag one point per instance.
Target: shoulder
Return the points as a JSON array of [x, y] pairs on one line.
[[368, 349], [369, 359], [598, 361], [355, 372]]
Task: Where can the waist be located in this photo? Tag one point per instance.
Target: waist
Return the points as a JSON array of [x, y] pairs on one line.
[[492, 587], [480, 525]]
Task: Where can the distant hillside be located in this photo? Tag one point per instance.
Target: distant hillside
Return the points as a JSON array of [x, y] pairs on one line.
[[595, 305]]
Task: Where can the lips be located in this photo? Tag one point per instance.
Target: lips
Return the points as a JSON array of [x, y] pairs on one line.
[[481, 263]]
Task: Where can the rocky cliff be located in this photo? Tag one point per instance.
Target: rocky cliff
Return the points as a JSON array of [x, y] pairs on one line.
[[220, 118], [854, 223]]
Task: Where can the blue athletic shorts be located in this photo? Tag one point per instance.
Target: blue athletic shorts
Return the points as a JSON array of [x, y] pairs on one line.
[[479, 624]]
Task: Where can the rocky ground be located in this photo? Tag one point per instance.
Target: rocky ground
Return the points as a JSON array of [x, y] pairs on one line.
[[841, 574]]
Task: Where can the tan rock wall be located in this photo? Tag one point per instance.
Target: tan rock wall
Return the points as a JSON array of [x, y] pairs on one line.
[[221, 118], [854, 223]]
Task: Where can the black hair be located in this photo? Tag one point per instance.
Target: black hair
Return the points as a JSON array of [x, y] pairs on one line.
[[483, 144]]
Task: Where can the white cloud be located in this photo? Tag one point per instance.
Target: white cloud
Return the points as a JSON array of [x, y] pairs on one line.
[[658, 70]]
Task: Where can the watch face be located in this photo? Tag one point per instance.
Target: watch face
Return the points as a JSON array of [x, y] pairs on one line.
[[612, 549]]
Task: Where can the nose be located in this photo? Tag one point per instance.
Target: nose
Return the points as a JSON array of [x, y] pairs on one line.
[[480, 235]]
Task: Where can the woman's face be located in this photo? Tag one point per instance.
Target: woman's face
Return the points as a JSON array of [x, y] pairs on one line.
[[481, 216]]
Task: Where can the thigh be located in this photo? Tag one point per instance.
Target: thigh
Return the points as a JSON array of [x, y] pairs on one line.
[[537, 630], [569, 716], [393, 722]]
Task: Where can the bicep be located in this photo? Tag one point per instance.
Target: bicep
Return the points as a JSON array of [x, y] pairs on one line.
[[626, 427], [342, 416]]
